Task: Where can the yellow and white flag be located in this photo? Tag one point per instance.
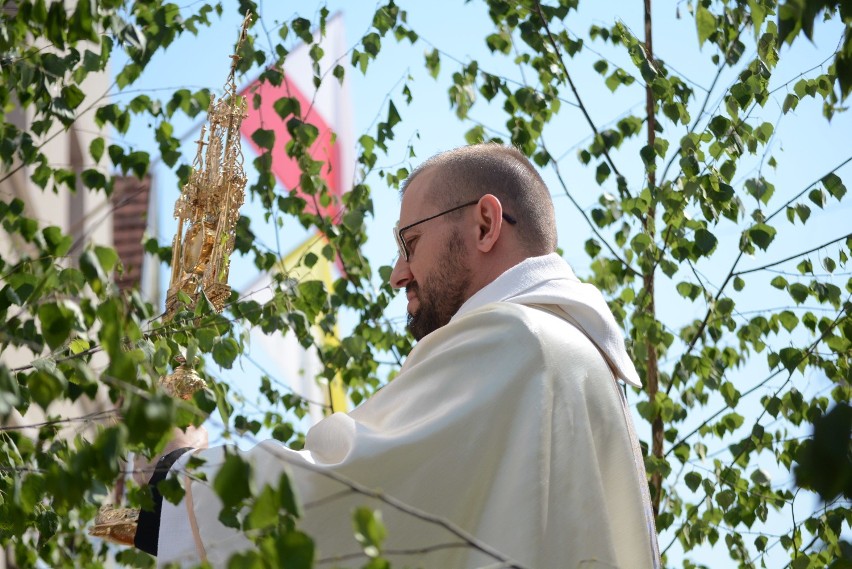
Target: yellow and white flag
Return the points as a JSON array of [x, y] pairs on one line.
[[291, 363]]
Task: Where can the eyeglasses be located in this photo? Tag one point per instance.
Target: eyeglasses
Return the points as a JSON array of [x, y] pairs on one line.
[[400, 240]]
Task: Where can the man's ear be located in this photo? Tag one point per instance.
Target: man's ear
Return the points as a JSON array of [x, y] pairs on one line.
[[489, 220]]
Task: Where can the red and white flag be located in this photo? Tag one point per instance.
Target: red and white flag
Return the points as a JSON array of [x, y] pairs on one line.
[[327, 108]]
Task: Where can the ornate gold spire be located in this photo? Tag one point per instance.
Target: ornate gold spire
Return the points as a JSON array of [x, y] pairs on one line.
[[208, 208], [209, 205]]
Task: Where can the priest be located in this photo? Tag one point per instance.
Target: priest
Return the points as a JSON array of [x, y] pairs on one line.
[[505, 440]]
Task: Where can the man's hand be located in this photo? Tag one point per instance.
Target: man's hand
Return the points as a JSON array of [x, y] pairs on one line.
[[192, 437]]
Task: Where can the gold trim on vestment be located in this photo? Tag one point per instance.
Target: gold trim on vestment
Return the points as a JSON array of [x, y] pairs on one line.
[[193, 523]]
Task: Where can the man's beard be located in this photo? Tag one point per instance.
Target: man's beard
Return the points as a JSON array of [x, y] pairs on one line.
[[442, 293]]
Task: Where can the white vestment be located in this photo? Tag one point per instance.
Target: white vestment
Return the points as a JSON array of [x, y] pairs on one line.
[[507, 422]]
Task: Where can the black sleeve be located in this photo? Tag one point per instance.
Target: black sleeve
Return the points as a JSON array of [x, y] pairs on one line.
[[148, 526]]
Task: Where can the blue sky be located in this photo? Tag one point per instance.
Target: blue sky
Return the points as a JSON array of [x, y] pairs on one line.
[[805, 145]]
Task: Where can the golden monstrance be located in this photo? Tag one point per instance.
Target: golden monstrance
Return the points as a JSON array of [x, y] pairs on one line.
[[207, 211]]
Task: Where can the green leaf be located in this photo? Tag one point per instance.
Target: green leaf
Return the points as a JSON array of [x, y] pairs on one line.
[[369, 530], [264, 138], [286, 107], [705, 241], [613, 81], [824, 464], [57, 321], [302, 28], [206, 337], [788, 320], [647, 154], [725, 306], [693, 480], [689, 165], [705, 23], [96, 149], [149, 421], [302, 132], [790, 358], [107, 257], [725, 498], [225, 351], [282, 432], [760, 189], [688, 290], [728, 169], [287, 497], [222, 404], [602, 172], [802, 562], [762, 235], [501, 43], [73, 96], [761, 477], [297, 550], [339, 73], [78, 345], [372, 43], [834, 185], [729, 394], [171, 489], [58, 244], [641, 242], [592, 247], [818, 197], [264, 511], [799, 292], [45, 385], [475, 135], [433, 63], [232, 481]]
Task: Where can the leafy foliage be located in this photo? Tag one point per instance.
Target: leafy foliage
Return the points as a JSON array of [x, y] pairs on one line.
[[710, 437]]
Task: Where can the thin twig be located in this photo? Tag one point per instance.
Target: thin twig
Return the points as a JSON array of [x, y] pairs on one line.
[[840, 317], [791, 257], [808, 187], [416, 551], [745, 448], [731, 274], [591, 225], [88, 418], [622, 187], [17, 168], [391, 501]]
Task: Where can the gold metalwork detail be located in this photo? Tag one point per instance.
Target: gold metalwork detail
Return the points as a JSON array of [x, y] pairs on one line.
[[117, 525], [182, 382], [209, 205], [208, 208], [197, 248]]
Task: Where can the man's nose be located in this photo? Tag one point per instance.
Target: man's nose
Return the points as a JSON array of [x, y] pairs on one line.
[[401, 274]]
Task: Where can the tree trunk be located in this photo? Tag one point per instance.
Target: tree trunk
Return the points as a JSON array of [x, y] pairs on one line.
[[652, 375]]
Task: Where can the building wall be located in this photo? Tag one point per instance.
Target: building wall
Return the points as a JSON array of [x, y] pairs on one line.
[[87, 216]]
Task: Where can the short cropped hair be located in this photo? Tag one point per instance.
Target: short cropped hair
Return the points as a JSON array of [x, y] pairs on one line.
[[467, 173]]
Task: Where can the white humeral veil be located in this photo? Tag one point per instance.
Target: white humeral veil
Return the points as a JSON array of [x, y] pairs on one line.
[[507, 422]]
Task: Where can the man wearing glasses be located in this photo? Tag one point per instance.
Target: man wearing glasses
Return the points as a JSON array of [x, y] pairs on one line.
[[505, 437]]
